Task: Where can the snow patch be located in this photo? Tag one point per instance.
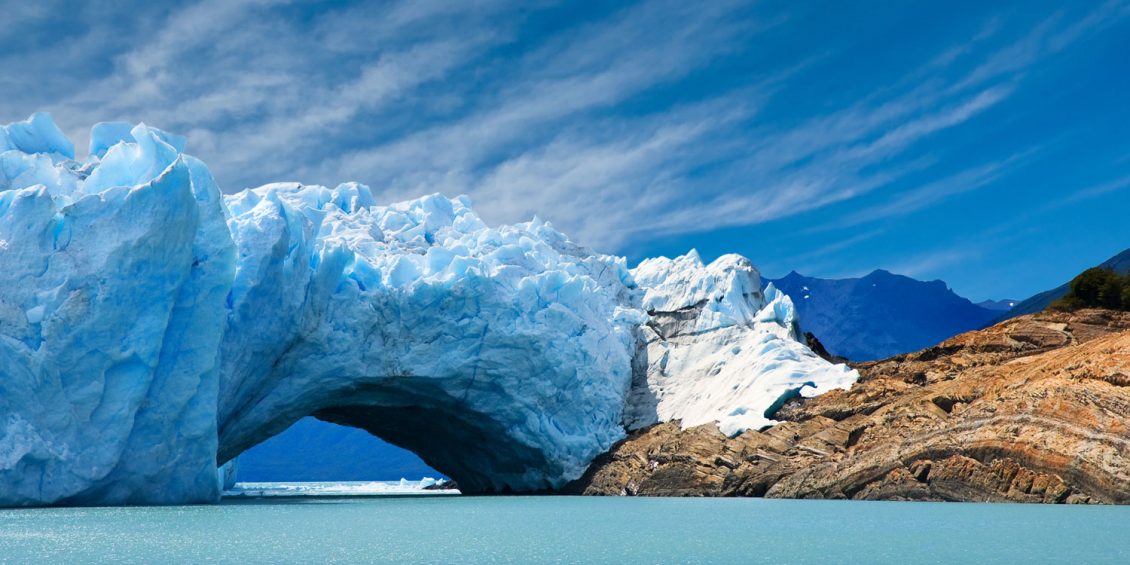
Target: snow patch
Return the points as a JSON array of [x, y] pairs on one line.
[[719, 350]]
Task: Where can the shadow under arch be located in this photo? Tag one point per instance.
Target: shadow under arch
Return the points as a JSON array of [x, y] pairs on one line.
[[420, 415]]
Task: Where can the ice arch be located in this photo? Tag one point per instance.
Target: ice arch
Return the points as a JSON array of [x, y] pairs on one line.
[[152, 329], [500, 356]]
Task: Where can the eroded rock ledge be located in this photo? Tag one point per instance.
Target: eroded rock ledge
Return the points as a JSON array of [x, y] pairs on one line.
[[1036, 409]]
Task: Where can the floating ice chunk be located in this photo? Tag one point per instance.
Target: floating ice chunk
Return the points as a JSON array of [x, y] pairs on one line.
[[335, 489]]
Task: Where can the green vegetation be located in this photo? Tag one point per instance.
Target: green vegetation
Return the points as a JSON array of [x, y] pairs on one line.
[[1096, 288]]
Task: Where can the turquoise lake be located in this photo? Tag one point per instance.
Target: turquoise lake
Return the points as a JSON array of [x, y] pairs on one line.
[[567, 530]]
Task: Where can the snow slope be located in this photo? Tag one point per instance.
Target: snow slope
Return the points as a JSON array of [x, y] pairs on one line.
[[151, 329], [718, 349]]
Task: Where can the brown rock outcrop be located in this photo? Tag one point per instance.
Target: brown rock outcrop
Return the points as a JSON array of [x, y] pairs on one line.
[[1036, 409]]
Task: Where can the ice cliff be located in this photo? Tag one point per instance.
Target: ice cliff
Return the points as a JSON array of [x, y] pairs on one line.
[[718, 349], [151, 329]]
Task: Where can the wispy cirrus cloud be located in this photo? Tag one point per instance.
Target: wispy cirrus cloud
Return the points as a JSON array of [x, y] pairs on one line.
[[618, 123], [921, 197], [925, 265]]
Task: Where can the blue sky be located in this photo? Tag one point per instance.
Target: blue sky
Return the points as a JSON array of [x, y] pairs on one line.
[[986, 144]]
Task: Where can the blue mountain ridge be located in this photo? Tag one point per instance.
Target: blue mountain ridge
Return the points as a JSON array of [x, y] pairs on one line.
[[880, 314]]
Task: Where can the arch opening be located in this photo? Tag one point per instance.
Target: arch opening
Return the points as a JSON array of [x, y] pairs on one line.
[[481, 452], [317, 451]]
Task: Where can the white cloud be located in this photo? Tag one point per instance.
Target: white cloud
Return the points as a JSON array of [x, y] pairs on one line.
[[578, 124]]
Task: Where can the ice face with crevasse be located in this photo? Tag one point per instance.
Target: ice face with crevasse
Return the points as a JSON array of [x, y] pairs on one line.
[[151, 329]]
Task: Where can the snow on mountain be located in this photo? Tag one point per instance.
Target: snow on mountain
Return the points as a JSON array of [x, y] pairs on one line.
[[151, 328], [881, 314]]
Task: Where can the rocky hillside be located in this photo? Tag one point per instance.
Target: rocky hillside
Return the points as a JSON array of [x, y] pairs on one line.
[[1036, 409]]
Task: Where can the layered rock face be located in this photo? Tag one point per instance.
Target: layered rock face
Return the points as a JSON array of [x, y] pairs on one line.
[[1036, 409], [152, 329]]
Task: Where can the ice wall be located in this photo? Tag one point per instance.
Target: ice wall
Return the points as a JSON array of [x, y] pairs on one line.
[[111, 311]]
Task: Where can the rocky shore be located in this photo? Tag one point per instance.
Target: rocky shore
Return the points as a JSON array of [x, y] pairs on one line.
[[1035, 409]]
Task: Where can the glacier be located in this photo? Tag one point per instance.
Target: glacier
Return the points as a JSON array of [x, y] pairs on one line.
[[719, 349], [153, 328]]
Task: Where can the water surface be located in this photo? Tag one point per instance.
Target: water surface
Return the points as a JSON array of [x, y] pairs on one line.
[[568, 530]]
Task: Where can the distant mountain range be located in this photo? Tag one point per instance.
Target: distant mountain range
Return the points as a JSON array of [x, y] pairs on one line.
[[882, 314], [1119, 263], [998, 305]]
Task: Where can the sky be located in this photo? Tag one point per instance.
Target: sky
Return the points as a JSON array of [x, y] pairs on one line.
[[983, 143]]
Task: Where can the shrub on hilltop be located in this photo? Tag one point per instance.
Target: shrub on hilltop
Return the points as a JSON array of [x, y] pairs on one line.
[[1096, 288]]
